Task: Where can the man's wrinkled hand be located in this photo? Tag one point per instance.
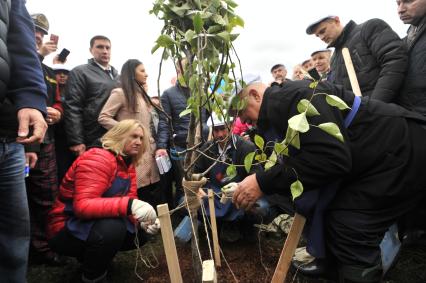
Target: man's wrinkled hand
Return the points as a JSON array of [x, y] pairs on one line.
[[247, 193], [53, 116], [31, 118]]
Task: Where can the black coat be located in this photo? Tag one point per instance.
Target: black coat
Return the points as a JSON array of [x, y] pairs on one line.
[[380, 163], [413, 92], [88, 88], [379, 57]]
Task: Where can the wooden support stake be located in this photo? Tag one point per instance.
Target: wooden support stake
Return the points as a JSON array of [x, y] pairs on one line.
[[351, 72], [216, 247], [169, 243], [209, 273], [289, 248]]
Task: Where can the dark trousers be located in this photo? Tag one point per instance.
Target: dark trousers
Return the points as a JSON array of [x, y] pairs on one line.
[[42, 189], [107, 237]]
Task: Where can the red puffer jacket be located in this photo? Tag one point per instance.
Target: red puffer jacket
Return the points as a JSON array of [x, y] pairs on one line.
[[89, 177]]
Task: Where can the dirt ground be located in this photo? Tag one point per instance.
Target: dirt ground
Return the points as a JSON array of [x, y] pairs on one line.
[[250, 261]]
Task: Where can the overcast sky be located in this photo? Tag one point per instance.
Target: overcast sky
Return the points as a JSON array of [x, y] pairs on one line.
[[274, 30]]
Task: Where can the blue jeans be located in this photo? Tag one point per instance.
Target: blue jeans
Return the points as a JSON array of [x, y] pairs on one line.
[[14, 215]]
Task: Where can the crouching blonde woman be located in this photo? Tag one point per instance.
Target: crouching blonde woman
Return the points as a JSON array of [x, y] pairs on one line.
[[97, 213]]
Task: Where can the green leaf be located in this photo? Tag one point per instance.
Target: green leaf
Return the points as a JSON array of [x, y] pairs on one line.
[[165, 40], [180, 10], [279, 148], [305, 105], [272, 160], [198, 23], [292, 137], [258, 140], [299, 123], [224, 35], [214, 29], [261, 157], [296, 189], [313, 84], [185, 112], [248, 160], [231, 171], [336, 101], [156, 46], [197, 4], [189, 35], [218, 20], [332, 129], [237, 21]]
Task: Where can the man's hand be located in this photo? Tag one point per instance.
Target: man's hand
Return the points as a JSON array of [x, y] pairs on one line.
[[78, 149], [31, 159], [53, 116], [47, 48], [247, 193], [29, 117], [161, 152]]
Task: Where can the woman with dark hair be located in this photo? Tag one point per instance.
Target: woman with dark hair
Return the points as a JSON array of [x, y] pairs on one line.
[[132, 102], [97, 211]]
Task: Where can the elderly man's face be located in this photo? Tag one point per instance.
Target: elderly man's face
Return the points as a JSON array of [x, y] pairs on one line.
[[411, 11], [328, 31], [250, 113], [279, 74]]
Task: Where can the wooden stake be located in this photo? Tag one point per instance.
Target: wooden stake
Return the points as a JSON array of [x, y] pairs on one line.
[[169, 243], [289, 248], [216, 247], [351, 72], [209, 273]]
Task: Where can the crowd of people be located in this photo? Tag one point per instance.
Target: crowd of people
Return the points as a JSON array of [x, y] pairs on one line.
[[79, 173]]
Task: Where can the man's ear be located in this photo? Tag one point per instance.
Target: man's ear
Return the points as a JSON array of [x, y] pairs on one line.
[[255, 94]]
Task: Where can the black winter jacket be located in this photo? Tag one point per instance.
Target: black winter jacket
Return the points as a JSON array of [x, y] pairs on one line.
[[379, 164], [379, 57], [88, 88], [413, 92], [173, 102]]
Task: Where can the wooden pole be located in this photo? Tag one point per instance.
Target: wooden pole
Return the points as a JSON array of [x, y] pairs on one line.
[[169, 243], [351, 72], [216, 247], [289, 248]]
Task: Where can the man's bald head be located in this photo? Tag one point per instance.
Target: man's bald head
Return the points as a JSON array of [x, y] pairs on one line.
[[251, 96]]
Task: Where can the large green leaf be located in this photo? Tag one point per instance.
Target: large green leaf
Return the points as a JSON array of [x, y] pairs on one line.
[[198, 23], [180, 10], [231, 171], [258, 140], [305, 105], [248, 160], [281, 149], [165, 40], [292, 137], [189, 35], [185, 112], [332, 129], [296, 189], [336, 101], [224, 35], [218, 19], [299, 123]]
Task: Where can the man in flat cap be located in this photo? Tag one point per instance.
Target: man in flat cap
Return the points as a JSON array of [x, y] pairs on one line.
[[378, 55], [364, 178], [279, 73]]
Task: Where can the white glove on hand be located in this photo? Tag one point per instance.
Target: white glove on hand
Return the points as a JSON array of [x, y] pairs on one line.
[[143, 212], [228, 192], [151, 228]]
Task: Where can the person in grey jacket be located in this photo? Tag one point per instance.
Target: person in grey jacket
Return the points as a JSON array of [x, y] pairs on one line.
[[378, 55], [22, 107], [88, 88]]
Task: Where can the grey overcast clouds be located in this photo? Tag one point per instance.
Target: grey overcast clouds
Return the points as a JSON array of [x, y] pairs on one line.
[[274, 30]]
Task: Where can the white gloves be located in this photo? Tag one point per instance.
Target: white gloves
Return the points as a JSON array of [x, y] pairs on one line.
[[151, 228], [143, 212], [228, 192]]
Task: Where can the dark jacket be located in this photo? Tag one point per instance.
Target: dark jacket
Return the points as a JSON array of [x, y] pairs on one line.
[[379, 164], [20, 67], [88, 88], [173, 102], [413, 92], [378, 55]]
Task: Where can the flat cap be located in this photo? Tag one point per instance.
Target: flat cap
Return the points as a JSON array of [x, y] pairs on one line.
[[311, 27], [41, 22]]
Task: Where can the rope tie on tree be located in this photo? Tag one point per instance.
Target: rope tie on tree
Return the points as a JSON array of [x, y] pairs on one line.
[[191, 190]]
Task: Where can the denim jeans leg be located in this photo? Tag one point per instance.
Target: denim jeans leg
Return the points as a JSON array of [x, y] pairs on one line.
[[14, 215]]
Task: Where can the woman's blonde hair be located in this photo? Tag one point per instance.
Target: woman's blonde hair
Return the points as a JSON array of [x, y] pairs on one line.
[[116, 138]]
